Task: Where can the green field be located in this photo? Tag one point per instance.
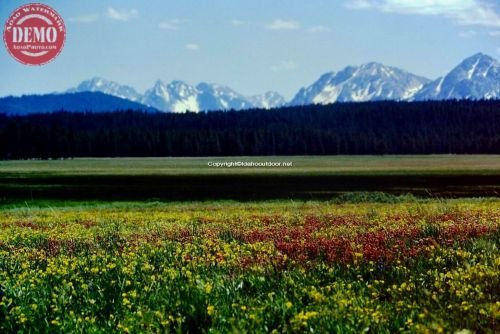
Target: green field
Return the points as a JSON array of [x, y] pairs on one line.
[[329, 245], [416, 266], [324, 165], [193, 179]]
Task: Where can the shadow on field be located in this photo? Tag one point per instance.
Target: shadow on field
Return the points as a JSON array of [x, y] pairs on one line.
[[241, 187]]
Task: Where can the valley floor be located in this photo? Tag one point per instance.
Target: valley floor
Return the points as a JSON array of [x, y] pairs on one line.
[[333, 244], [413, 265], [321, 177]]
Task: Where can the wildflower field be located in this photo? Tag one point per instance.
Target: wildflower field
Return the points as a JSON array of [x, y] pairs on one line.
[[425, 266]]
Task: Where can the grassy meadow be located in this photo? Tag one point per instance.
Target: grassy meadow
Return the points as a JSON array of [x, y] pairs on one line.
[[405, 244], [423, 266], [348, 165], [193, 179]]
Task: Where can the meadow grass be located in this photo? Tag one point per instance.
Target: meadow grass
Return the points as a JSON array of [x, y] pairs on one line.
[[172, 245], [388, 164], [360, 263], [192, 178]]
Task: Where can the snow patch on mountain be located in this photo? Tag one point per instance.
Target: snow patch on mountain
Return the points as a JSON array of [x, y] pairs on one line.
[[368, 82], [477, 77], [109, 87], [268, 100], [216, 97]]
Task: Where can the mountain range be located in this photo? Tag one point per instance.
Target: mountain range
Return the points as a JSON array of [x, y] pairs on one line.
[[178, 96], [477, 77]]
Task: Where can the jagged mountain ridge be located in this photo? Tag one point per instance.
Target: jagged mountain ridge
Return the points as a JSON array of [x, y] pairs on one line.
[[178, 96], [109, 87], [368, 82], [268, 100], [474, 78]]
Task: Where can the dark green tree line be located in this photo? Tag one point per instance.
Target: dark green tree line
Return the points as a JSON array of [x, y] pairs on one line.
[[341, 128]]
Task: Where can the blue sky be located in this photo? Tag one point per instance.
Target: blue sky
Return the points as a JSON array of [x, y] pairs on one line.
[[253, 46]]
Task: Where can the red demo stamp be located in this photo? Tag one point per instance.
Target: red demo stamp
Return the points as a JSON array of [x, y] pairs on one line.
[[34, 34]]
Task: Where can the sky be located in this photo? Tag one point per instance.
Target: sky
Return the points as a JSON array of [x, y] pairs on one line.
[[252, 46]]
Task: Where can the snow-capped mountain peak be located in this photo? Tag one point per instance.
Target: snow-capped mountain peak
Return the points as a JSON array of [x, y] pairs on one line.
[[475, 77], [475, 67], [160, 89], [176, 96], [368, 82], [217, 97], [268, 100], [97, 84]]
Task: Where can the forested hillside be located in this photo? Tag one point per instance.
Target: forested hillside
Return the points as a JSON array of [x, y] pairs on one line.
[[340, 128]]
